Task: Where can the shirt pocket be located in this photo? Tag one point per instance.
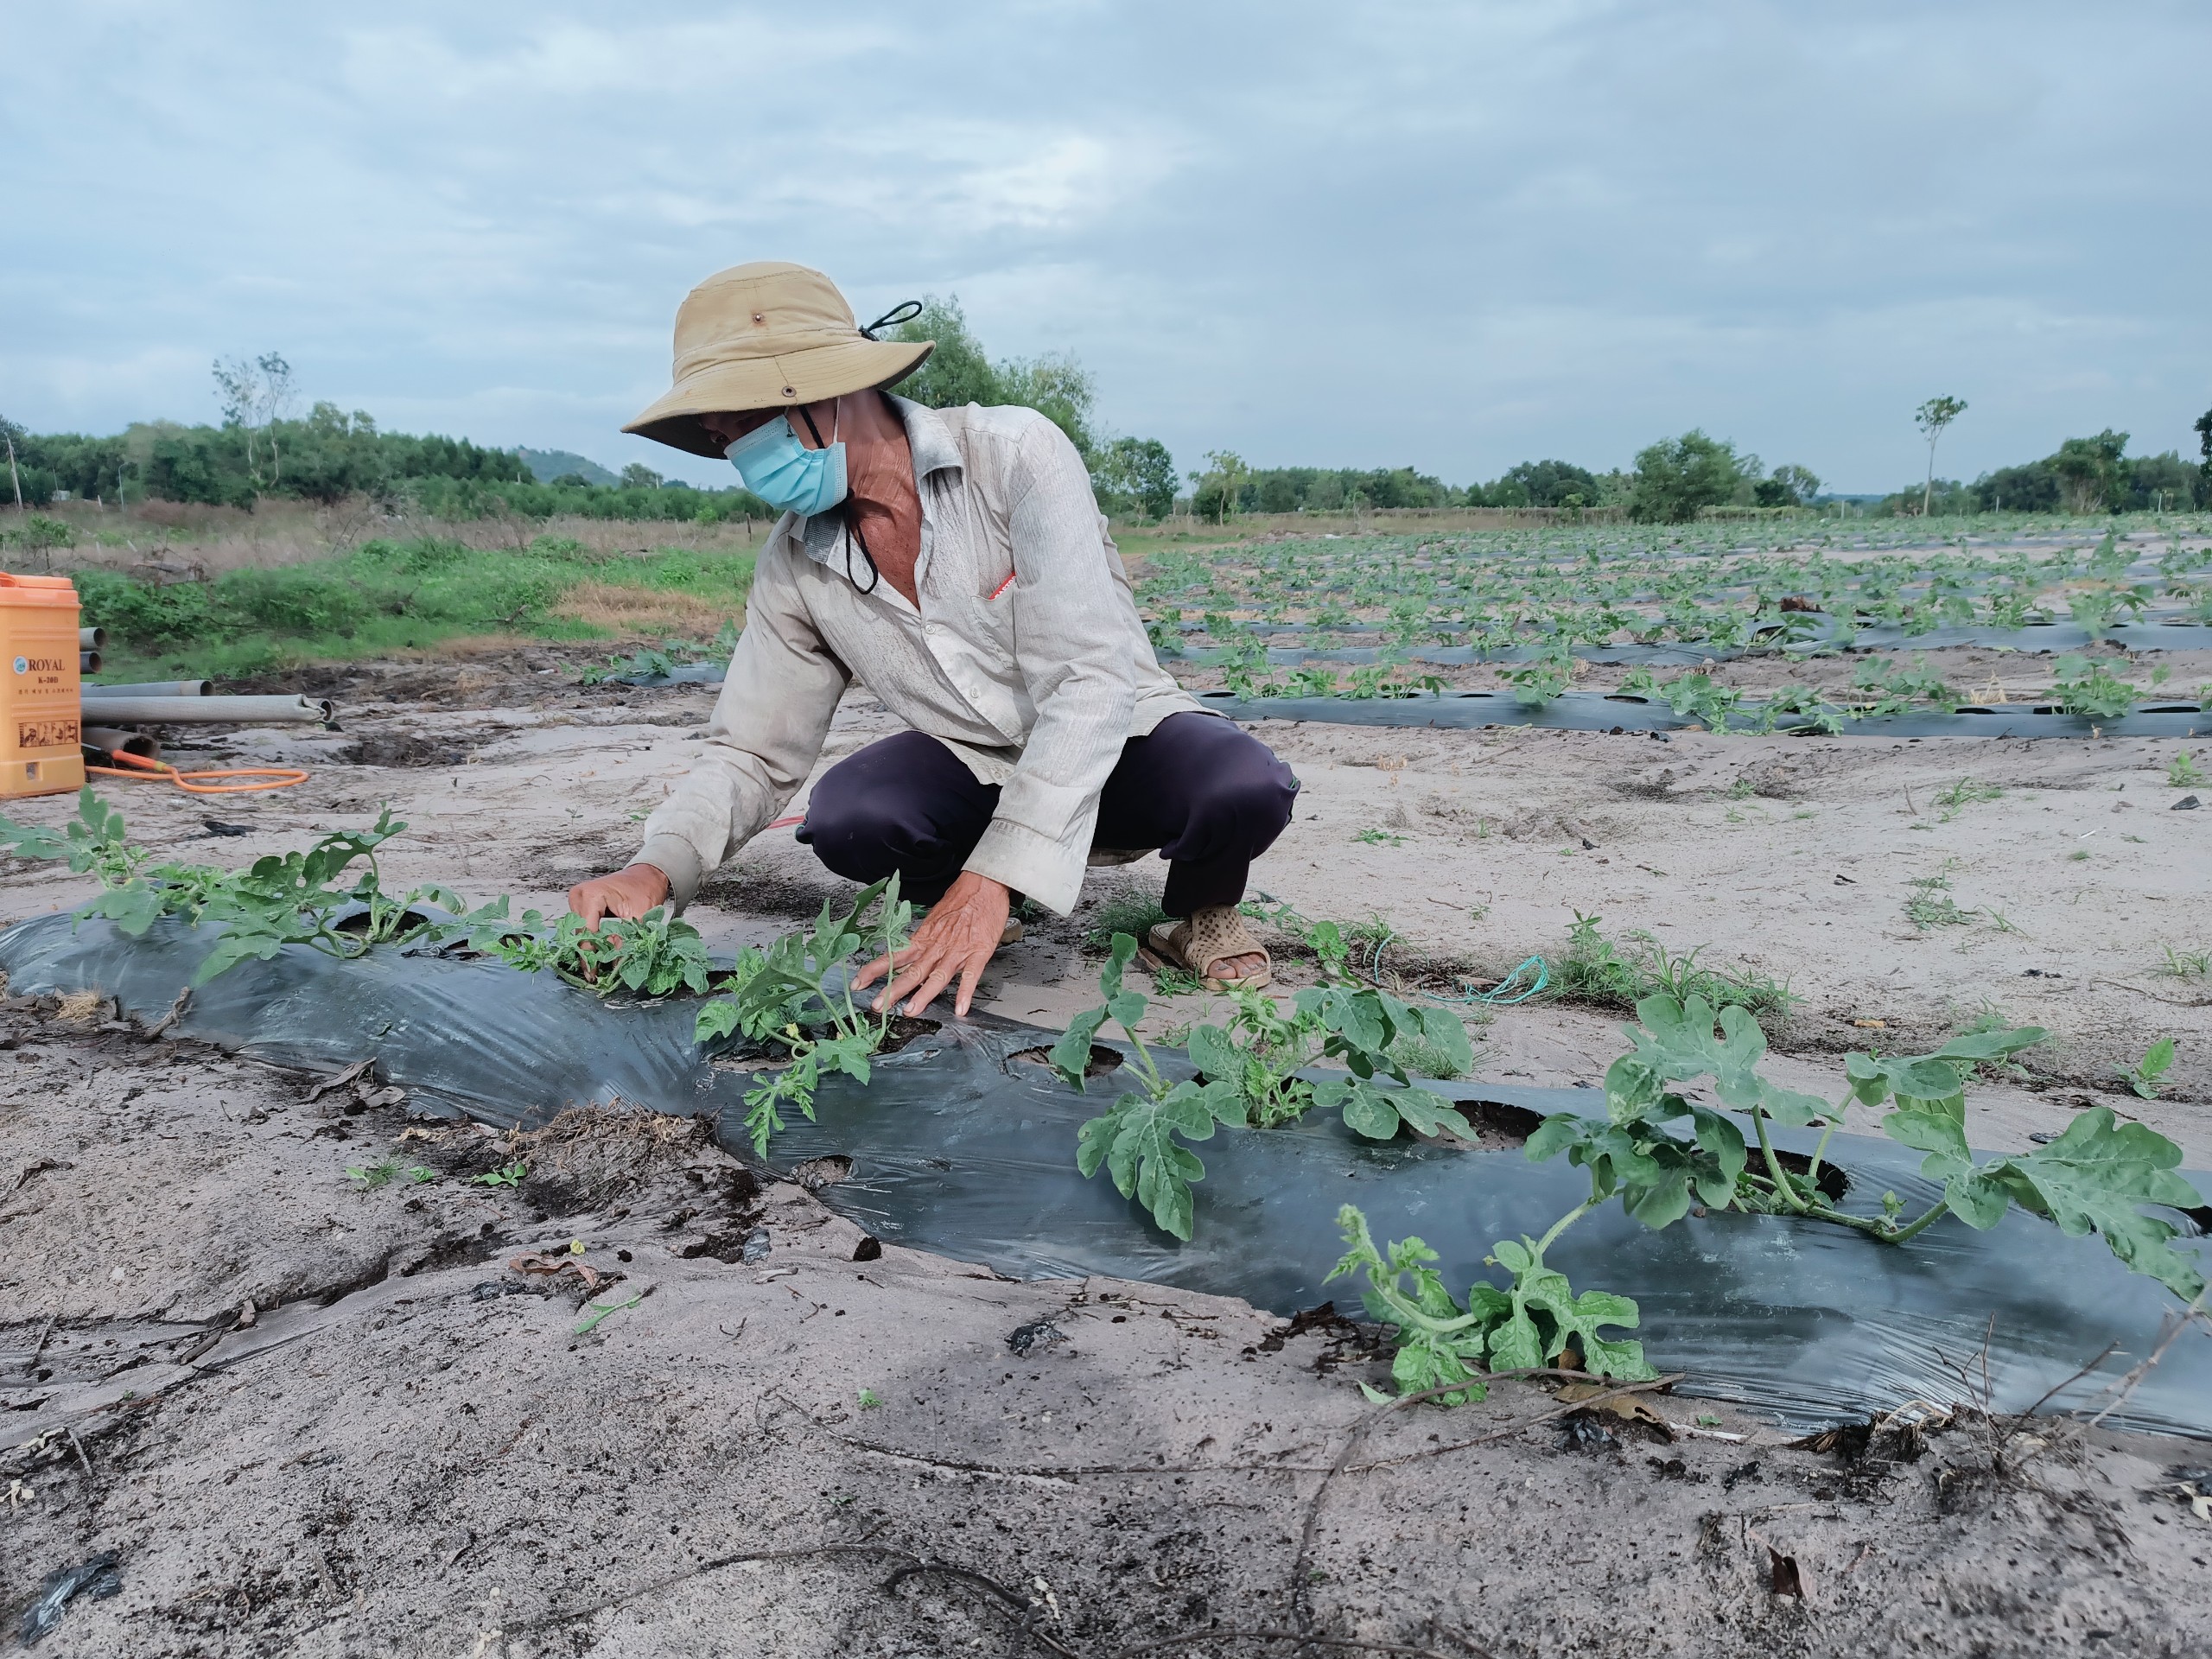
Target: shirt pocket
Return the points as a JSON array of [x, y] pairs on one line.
[[994, 604]]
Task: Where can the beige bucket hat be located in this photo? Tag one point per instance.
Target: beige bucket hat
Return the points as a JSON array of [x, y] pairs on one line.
[[767, 335]]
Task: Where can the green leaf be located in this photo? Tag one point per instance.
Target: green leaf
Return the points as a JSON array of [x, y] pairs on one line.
[[132, 909], [1662, 1198], [1137, 1142], [2095, 1178], [1354, 1016], [1788, 1106], [1516, 1345], [1427, 1113], [1992, 1045], [233, 948], [1071, 1056], [1442, 1030], [1226, 1101], [1722, 1142], [1939, 1134], [1119, 954], [33, 840], [1546, 1317], [1094, 1140], [2144, 1077], [1976, 1199], [1214, 1053], [1556, 1134], [1367, 1111], [1438, 1344]]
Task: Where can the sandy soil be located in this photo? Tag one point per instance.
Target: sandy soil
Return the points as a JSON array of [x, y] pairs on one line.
[[415, 1447], [412, 1449]]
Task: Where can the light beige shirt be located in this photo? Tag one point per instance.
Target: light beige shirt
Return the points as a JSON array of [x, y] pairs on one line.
[[1026, 657]]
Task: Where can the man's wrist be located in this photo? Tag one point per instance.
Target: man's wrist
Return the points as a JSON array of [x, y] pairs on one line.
[[677, 860]]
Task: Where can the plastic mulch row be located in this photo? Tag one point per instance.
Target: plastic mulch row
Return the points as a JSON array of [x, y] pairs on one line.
[[963, 1147]]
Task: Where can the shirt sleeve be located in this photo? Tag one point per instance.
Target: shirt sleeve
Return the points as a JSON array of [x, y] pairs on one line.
[[1078, 674], [765, 733]]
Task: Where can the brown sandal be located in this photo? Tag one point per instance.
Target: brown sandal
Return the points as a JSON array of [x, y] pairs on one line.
[[1211, 935]]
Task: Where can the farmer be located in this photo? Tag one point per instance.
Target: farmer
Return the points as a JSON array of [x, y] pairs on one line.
[[954, 561]]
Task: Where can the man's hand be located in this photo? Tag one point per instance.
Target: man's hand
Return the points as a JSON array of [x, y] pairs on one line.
[[627, 893], [957, 937]]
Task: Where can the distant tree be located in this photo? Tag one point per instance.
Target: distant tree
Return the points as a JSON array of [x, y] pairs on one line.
[[2155, 483], [1135, 475], [1950, 498], [1058, 387], [958, 373], [254, 395], [1931, 418], [2032, 488], [1544, 484], [1676, 477], [2204, 444], [2091, 471], [1219, 490], [1786, 485], [9, 432], [639, 476]]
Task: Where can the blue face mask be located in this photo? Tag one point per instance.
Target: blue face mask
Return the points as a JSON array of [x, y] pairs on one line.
[[775, 466]]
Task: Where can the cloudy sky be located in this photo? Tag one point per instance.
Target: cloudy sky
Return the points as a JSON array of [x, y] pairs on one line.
[[1457, 235]]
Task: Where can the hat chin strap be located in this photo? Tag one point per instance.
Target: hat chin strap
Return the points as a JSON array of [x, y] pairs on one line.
[[845, 507]]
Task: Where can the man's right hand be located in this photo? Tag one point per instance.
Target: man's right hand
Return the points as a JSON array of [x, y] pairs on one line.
[[627, 893]]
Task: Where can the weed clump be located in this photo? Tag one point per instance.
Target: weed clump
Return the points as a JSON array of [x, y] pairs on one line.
[[1620, 975]]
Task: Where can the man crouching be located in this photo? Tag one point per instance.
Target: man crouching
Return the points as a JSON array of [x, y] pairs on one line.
[[956, 564]]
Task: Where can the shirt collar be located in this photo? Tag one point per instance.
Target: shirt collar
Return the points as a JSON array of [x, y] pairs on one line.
[[822, 537], [926, 437]]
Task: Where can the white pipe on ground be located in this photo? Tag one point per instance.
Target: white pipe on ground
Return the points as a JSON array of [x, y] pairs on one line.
[[210, 711], [108, 740], [153, 689]]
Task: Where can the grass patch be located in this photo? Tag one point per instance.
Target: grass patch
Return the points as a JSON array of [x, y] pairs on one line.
[[2187, 964], [1424, 1059], [385, 598], [1621, 973], [1132, 910], [1930, 905], [1964, 793]]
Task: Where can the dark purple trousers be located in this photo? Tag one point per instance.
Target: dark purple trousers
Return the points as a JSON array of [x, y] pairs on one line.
[[1206, 793]]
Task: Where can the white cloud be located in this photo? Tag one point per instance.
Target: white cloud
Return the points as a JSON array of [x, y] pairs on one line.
[[1452, 234]]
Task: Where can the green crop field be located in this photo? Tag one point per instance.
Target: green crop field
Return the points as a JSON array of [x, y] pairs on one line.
[[1539, 597]]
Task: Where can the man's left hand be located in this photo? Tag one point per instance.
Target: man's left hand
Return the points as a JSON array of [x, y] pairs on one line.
[[955, 938]]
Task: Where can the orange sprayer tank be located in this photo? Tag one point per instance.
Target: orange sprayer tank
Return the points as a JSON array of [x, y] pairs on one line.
[[40, 713]]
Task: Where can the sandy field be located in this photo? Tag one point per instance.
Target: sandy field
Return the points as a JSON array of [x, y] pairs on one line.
[[315, 1419]]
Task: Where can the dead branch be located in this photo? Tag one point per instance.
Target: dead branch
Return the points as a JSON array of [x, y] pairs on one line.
[[176, 1013], [2178, 1323]]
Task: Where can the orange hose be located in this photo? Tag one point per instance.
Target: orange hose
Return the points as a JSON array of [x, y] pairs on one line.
[[160, 772]]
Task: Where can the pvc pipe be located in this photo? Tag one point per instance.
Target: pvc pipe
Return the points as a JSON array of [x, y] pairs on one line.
[[91, 638], [108, 740], [154, 688], [88, 661], [213, 711]]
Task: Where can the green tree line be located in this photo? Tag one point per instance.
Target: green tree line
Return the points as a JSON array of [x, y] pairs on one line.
[[2082, 475], [329, 456]]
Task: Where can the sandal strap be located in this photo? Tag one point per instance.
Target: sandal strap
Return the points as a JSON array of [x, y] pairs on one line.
[[1214, 934]]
